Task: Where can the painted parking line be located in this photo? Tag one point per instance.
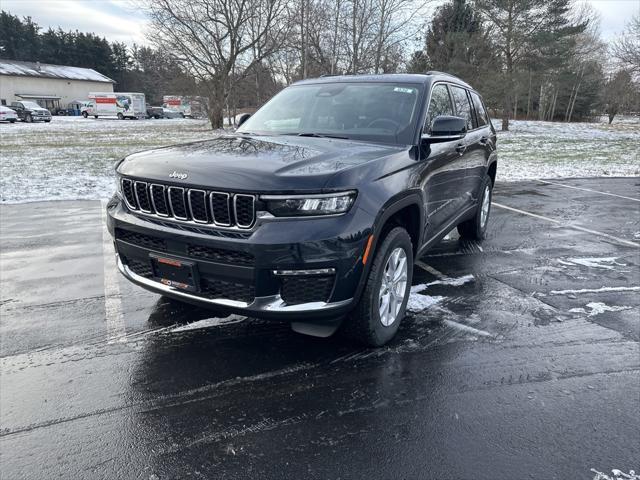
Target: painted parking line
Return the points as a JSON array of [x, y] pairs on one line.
[[112, 298], [613, 238], [589, 190]]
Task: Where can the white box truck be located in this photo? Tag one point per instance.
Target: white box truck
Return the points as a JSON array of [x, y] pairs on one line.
[[115, 104], [191, 107]]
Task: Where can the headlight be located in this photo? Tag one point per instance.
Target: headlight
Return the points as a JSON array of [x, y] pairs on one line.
[[308, 205]]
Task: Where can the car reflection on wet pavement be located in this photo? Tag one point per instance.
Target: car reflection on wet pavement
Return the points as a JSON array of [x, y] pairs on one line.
[[519, 359]]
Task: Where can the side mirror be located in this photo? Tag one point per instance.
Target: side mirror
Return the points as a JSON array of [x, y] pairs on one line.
[[446, 128], [243, 118]]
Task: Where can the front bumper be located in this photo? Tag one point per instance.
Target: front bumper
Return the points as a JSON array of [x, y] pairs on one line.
[[245, 278]]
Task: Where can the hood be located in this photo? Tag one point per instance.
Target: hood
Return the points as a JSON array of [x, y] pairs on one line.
[[254, 164]]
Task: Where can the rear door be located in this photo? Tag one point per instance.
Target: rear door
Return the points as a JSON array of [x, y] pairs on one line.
[[471, 164]]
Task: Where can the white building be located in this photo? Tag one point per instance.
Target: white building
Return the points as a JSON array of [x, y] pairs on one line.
[[52, 86]]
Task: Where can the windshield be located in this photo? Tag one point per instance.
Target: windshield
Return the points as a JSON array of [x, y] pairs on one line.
[[379, 112], [31, 105]]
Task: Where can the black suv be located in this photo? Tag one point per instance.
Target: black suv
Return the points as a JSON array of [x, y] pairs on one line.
[[314, 210], [29, 111]]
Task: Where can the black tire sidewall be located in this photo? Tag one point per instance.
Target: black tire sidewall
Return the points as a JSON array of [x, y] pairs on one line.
[[482, 229], [398, 237]]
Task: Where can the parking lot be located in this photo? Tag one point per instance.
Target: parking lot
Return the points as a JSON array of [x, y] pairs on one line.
[[520, 359]]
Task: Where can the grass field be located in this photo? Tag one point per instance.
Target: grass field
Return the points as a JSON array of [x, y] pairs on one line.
[[73, 158]]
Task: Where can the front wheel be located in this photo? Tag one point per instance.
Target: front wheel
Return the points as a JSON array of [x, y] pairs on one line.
[[28, 118], [85, 114], [120, 116], [476, 228], [381, 308]]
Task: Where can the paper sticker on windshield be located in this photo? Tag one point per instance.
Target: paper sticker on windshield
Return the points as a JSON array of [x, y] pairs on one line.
[[403, 90]]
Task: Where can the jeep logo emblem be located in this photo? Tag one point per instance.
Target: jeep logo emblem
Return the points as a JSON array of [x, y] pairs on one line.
[[178, 175]]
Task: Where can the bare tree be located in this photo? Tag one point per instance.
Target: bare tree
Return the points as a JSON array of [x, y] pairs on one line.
[[627, 48], [214, 38]]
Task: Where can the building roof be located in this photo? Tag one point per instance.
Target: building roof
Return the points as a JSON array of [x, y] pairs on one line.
[[46, 70]]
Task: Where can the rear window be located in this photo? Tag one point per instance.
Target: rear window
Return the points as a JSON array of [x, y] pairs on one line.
[[481, 113], [463, 107]]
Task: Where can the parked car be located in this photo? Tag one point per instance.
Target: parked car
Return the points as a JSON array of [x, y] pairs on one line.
[[29, 111], [7, 115], [315, 209], [171, 113], [155, 112]]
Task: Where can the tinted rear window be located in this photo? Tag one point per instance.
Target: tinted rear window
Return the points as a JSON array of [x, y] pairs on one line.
[[481, 113]]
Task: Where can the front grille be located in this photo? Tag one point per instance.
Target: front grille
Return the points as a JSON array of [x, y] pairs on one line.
[[220, 255], [140, 239], [229, 290], [295, 290], [221, 209]]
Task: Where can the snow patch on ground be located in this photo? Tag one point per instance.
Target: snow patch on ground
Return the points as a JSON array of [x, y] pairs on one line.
[[615, 475], [594, 290], [596, 308], [73, 158], [607, 263], [209, 322], [454, 282], [420, 301]]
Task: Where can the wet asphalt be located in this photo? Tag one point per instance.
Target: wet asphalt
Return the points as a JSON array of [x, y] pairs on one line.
[[528, 369]]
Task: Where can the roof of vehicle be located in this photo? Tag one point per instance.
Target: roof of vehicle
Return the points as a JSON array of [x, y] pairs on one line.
[[387, 77], [46, 70]]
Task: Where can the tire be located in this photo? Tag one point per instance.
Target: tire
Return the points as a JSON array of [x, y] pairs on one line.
[[85, 114], [47, 121], [28, 118], [12, 121], [476, 228], [120, 116], [95, 116], [365, 324]]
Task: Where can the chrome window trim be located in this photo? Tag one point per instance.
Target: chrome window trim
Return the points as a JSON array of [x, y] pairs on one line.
[[213, 215], [126, 201], [173, 213], [135, 191], [165, 215], [193, 217], [235, 210]]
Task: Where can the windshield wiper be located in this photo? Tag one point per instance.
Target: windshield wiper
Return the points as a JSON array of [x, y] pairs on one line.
[[321, 135]]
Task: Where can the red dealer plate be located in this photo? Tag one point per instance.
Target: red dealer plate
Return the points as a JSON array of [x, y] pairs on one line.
[[175, 273]]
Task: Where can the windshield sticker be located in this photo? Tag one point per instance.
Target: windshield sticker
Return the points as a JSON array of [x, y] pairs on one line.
[[403, 90]]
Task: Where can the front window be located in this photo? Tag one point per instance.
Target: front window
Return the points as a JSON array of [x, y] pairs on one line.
[[378, 112]]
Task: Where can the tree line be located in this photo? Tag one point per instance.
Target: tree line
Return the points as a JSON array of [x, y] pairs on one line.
[[531, 59]]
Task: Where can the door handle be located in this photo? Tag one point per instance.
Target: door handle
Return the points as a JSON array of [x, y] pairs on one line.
[[460, 148], [484, 140]]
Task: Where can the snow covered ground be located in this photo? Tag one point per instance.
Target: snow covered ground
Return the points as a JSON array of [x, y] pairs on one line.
[[73, 157]]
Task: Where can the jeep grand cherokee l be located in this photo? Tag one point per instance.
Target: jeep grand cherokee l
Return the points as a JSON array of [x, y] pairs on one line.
[[315, 208]]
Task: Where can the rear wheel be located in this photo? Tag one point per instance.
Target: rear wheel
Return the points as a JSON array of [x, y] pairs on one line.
[[476, 228], [120, 116], [12, 120], [381, 308]]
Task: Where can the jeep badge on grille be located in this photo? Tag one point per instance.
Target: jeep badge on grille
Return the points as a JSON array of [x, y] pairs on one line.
[[179, 175]]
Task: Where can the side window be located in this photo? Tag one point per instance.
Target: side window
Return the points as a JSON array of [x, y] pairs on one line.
[[463, 107], [481, 113], [4, 101], [440, 104]]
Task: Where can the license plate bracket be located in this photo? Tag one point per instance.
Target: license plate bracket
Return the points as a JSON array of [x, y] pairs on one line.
[[175, 272]]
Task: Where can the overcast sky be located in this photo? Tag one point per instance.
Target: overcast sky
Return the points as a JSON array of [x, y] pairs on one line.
[[119, 20]]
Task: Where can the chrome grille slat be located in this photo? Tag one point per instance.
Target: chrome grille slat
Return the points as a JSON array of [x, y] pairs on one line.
[[142, 196], [220, 209], [244, 210], [128, 193], [197, 200], [159, 199], [177, 203], [190, 205]]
